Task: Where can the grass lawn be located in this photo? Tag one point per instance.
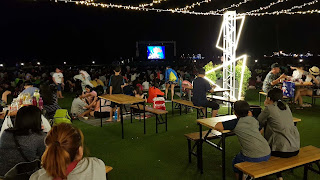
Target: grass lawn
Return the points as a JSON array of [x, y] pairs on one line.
[[164, 155]]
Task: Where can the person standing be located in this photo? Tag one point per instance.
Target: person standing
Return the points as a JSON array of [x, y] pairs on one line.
[[116, 85], [273, 78], [57, 78], [171, 79]]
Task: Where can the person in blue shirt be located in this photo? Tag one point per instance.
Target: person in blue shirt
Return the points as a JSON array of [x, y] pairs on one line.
[[29, 89], [171, 79]]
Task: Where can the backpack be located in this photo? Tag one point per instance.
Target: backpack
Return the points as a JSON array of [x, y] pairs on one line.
[[172, 77], [61, 116], [159, 103]]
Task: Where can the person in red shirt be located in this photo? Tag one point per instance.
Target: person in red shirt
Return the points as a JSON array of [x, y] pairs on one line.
[[154, 91]]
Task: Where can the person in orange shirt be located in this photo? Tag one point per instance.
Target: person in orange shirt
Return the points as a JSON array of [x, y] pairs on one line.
[[154, 91]]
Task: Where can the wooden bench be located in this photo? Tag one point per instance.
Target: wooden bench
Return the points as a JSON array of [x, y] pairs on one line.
[[314, 99], [265, 94], [157, 112], [108, 169], [195, 137], [186, 103], [306, 157]]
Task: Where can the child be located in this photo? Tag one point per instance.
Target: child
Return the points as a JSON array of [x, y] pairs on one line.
[[116, 84], [90, 94], [254, 148]]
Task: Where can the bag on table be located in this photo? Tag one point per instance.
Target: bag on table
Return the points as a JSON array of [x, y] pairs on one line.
[[62, 116], [288, 88], [159, 103]]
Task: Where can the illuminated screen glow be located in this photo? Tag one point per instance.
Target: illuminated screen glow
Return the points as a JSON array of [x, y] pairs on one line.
[[156, 52]]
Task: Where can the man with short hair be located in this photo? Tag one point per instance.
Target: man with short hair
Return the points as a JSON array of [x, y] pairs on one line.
[[58, 80], [200, 88], [28, 88], [273, 78]]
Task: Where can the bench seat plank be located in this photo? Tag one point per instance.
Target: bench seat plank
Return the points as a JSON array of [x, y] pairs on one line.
[[108, 169], [187, 103], [220, 98], [150, 109], [306, 155], [196, 136]]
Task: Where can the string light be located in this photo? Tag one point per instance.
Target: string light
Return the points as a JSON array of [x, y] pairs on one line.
[[151, 4], [214, 13], [265, 7], [193, 5], [288, 11]]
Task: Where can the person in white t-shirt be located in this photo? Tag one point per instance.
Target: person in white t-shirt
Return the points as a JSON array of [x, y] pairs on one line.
[[145, 85], [57, 78]]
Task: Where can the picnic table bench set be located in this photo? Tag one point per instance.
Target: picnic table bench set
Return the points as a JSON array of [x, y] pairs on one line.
[[308, 155]]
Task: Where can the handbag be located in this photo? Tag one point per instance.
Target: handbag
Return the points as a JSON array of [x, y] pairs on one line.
[[23, 170]]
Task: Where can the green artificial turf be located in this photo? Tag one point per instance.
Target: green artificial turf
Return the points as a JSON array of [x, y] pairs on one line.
[[164, 155]]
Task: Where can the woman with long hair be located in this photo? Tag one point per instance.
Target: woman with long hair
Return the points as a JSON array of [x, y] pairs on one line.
[[63, 157], [50, 100], [28, 134]]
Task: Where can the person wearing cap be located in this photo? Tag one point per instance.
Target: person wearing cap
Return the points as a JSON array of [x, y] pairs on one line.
[[313, 77], [273, 78], [200, 88]]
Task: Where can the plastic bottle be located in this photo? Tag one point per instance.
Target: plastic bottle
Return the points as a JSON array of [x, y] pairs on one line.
[[116, 114], [40, 103], [34, 101], [36, 94]]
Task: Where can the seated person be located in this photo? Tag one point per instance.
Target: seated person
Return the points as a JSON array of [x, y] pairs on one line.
[[315, 90], [200, 88], [138, 93], [28, 133], [50, 101], [273, 78], [145, 85], [154, 91], [254, 147], [29, 89], [63, 157], [79, 107], [105, 109], [89, 94], [281, 133]]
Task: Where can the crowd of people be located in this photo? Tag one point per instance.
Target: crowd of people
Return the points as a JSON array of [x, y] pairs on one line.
[[61, 149]]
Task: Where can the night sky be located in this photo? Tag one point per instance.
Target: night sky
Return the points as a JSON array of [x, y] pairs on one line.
[[51, 31]]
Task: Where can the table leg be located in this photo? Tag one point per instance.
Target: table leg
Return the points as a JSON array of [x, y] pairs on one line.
[[199, 150], [144, 117], [259, 99], [121, 118], [223, 141], [172, 108], [166, 123], [101, 116]]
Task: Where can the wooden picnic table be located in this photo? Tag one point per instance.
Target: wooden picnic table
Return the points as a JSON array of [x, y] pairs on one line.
[[211, 123], [122, 99]]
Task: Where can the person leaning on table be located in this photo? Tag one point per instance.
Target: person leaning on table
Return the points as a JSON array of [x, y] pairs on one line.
[[254, 147], [273, 78]]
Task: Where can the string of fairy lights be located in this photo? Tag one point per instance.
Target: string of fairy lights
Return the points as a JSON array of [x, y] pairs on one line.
[[218, 12]]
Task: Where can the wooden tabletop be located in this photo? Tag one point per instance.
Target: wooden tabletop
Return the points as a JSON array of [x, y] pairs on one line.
[[220, 90], [211, 122], [122, 99], [220, 98]]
